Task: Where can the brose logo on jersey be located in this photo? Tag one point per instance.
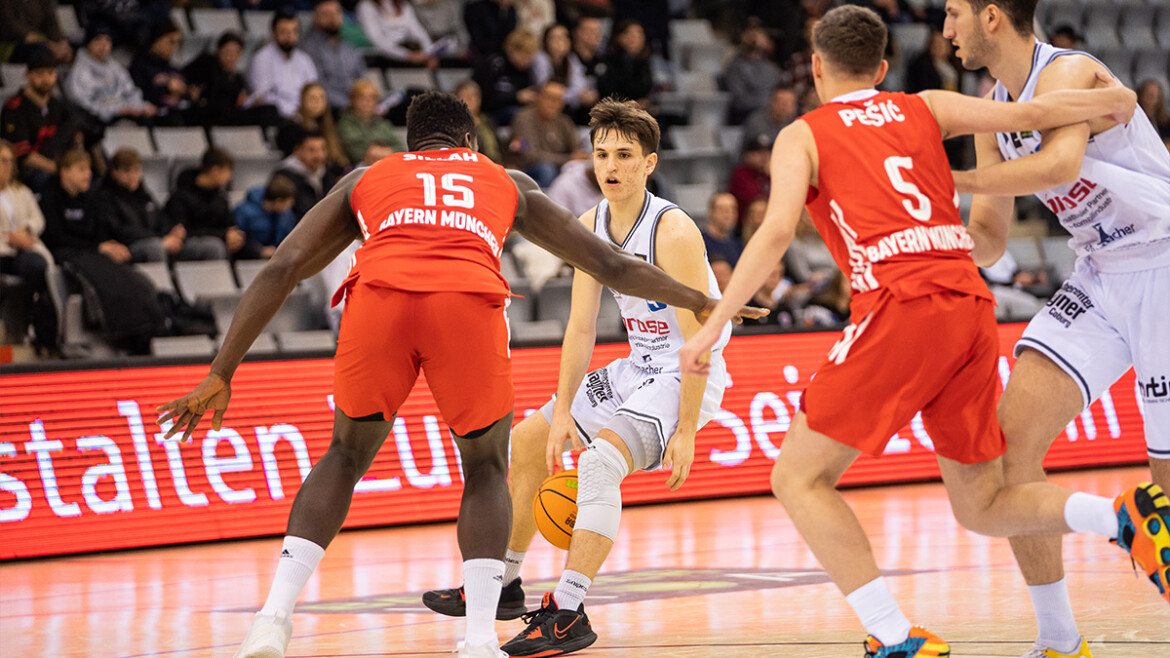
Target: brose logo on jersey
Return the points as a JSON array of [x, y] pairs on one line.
[[657, 327]]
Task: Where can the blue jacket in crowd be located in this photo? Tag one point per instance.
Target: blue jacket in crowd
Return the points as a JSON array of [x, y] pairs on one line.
[[266, 228]]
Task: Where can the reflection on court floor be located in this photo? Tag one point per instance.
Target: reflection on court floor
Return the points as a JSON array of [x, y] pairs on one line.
[[727, 578]]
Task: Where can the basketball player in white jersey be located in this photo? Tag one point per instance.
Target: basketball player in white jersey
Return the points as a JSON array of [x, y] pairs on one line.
[[1109, 184], [635, 413]]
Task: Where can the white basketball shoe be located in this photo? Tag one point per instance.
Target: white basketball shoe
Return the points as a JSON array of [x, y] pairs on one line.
[[1040, 652], [268, 637]]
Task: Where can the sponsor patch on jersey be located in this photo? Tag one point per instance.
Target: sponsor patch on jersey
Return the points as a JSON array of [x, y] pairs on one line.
[[597, 387], [1155, 389], [1068, 304]]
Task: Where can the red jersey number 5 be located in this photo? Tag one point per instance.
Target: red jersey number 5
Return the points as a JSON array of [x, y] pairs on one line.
[[920, 210]]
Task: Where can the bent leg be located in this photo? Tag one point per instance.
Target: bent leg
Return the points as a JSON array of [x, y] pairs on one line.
[[1040, 400], [528, 470], [804, 479], [588, 548], [485, 521], [485, 512], [321, 506], [323, 501]]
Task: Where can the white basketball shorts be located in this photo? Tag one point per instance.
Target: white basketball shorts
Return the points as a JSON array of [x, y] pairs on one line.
[[621, 387], [1098, 324]]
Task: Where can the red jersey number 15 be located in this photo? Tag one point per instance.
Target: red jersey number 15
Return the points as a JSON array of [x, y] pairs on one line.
[[450, 183]]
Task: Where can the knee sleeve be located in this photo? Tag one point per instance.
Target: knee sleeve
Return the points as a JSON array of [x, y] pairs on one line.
[[641, 438], [600, 472]]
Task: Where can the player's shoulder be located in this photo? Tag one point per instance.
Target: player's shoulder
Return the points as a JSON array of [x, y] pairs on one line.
[[1071, 70], [589, 218], [675, 226]]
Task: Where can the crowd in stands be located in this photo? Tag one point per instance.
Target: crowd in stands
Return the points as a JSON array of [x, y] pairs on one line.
[[326, 83]]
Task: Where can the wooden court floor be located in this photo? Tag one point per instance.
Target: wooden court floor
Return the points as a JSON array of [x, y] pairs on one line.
[[726, 578]]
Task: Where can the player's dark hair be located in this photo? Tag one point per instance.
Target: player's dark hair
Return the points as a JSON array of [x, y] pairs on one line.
[[1020, 13], [436, 116], [628, 119], [851, 38]]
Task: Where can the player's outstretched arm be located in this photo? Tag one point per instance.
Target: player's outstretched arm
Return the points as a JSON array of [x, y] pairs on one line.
[[792, 173], [318, 238], [548, 225], [961, 115]]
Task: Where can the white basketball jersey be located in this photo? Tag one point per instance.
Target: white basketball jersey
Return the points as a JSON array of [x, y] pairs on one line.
[[1120, 202], [655, 338]]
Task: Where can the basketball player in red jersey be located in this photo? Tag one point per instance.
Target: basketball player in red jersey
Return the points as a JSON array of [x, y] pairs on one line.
[[424, 290], [872, 170]]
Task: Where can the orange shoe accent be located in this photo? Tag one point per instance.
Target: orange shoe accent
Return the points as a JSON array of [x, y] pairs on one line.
[[922, 642], [1143, 519]]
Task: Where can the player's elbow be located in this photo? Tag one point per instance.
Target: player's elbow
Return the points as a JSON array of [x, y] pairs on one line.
[[281, 271], [611, 269], [1062, 169]]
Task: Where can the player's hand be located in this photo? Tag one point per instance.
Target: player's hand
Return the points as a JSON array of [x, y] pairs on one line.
[[693, 358], [746, 312], [1126, 98], [561, 430], [212, 394], [679, 455]]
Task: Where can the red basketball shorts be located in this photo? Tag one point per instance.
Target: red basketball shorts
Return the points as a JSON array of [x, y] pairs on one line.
[[938, 354], [459, 338]]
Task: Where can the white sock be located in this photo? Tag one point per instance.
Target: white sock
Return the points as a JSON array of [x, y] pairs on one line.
[[298, 559], [570, 591], [879, 613], [482, 581], [1054, 616], [512, 561], [1087, 513]]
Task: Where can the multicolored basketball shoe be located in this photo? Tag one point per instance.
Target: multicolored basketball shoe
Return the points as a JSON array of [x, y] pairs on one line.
[[1143, 529], [921, 644], [1040, 652], [552, 631], [453, 602]]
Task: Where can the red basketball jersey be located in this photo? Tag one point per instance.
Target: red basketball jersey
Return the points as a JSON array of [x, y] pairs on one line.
[[434, 221], [885, 200]]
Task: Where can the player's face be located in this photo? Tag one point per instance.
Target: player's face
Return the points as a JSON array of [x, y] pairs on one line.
[[620, 166], [963, 29]]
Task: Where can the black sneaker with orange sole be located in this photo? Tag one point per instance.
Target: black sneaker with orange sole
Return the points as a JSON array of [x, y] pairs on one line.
[[552, 631], [453, 602]]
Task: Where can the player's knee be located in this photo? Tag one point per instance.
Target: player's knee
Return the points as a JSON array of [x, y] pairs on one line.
[[975, 514], [529, 441], [351, 459], [789, 481], [600, 472]]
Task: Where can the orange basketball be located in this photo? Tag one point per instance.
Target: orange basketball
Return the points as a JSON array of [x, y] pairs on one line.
[[555, 508]]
